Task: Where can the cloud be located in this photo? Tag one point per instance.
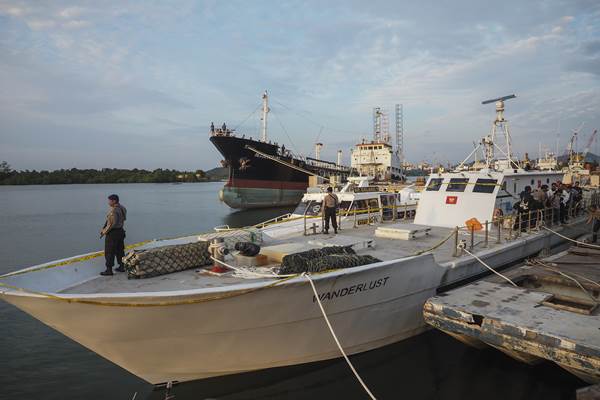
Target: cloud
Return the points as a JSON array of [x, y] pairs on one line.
[[155, 71]]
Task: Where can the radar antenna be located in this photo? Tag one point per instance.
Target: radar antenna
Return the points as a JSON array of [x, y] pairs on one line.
[[499, 127]]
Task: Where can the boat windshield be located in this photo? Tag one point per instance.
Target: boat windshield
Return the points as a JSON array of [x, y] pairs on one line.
[[310, 207]]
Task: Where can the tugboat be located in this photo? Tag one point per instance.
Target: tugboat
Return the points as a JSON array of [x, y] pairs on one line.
[[264, 174]]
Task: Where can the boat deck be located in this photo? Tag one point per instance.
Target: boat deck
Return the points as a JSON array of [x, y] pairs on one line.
[[382, 248]]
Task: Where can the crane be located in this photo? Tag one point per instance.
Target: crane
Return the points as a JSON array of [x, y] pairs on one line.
[[589, 144], [572, 146]]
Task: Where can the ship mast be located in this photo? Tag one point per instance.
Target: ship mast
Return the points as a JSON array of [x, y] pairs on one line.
[[265, 111], [499, 127]]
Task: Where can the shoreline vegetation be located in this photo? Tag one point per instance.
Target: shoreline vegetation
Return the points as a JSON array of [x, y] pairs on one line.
[[8, 176]]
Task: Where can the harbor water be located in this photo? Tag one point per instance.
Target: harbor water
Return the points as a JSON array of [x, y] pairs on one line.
[[42, 223]]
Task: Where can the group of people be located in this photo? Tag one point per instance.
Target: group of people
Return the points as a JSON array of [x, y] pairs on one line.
[[558, 197], [222, 130]]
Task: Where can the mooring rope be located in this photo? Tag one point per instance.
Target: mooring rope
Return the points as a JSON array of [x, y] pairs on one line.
[[488, 267], [538, 263], [314, 289], [595, 246]]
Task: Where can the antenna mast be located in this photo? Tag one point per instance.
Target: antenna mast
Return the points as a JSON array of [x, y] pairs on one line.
[[381, 132], [400, 132], [263, 118], [499, 127]]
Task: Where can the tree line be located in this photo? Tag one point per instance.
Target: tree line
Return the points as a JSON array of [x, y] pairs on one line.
[[8, 176]]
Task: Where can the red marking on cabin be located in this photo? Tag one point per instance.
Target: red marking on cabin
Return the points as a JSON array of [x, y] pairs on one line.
[[451, 199]]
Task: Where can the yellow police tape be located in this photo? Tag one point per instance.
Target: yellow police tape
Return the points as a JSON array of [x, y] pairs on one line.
[[71, 260]]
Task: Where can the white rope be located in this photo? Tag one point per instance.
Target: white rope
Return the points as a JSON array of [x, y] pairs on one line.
[[572, 240], [490, 268], [541, 264], [314, 289]]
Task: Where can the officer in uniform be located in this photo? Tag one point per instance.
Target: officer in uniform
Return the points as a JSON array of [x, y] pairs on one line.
[[114, 235], [330, 204]]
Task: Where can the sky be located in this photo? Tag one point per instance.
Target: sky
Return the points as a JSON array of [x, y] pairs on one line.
[[127, 84]]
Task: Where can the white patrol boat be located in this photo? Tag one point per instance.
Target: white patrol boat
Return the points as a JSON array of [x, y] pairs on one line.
[[359, 203], [192, 324]]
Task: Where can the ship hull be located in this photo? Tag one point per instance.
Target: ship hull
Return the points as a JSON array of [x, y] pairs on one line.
[[257, 181], [248, 198]]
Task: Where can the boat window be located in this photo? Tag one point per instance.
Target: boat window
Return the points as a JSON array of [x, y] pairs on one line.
[[485, 185], [373, 204], [345, 205], [360, 205], [311, 207], [457, 185], [387, 202], [547, 180], [434, 184], [301, 207]]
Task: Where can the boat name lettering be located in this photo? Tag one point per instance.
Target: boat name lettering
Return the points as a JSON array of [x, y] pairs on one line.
[[354, 289]]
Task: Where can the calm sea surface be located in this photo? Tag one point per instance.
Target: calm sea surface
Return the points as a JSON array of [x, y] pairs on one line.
[[42, 223]]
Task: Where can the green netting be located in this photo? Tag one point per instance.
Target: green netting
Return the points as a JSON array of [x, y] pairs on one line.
[[316, 260], [166, 259]]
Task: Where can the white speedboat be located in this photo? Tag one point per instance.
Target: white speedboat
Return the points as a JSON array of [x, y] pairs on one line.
[[191, 324], [359, 203]]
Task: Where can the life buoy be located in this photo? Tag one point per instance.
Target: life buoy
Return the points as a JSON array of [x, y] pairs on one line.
[[498, 214]]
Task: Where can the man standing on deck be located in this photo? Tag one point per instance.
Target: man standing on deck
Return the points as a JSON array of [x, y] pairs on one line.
[[330, 203], [114, 235]]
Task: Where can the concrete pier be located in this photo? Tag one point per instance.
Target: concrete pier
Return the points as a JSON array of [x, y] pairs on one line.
[[552, 314]]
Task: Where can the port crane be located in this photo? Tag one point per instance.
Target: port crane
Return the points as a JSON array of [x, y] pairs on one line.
[[572, 145]]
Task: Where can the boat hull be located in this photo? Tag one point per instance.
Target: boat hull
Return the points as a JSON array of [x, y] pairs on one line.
[[270, 327], [193, 334]]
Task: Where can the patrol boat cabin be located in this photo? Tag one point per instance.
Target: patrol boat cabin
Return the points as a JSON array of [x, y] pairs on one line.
[[359, 197], [450, 199]]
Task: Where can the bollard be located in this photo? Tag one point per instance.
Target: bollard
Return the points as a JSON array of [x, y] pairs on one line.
[[486, 233], [472, 237], [304, 223], [500, 223], [456, 242]]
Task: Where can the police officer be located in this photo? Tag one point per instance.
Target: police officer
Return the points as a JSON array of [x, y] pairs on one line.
[[114, 235], [330, 203]]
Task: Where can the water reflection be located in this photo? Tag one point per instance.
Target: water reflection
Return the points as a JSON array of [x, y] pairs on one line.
[[430, 366]]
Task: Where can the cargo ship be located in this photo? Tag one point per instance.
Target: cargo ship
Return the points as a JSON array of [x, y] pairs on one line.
[[265, 174]]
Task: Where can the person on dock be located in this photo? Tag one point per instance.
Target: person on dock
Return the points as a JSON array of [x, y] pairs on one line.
[[330, 204], [114, 235], [555, 204]]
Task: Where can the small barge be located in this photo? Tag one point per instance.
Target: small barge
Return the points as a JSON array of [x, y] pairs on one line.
[[551, 314]]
